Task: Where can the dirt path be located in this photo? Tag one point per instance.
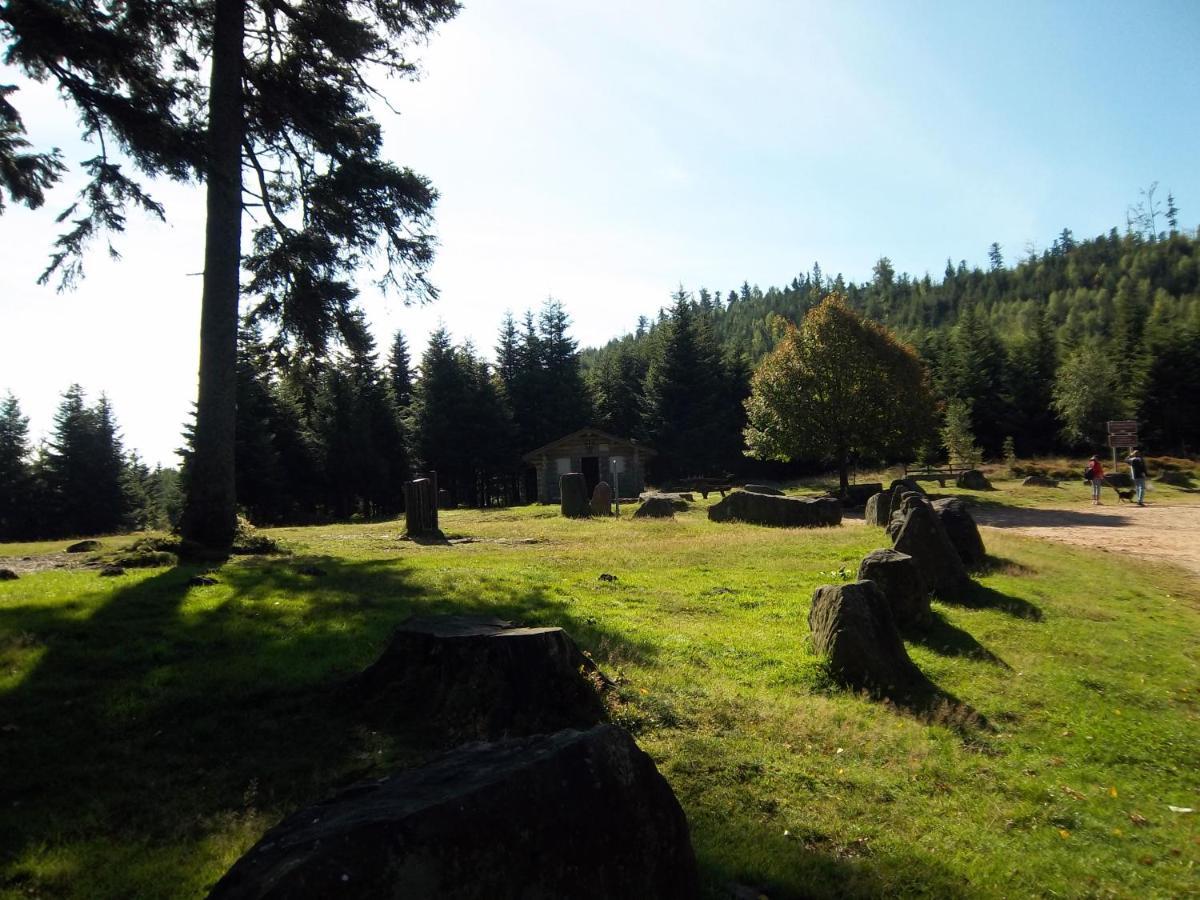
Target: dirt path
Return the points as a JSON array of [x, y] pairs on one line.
[[1162, 533]]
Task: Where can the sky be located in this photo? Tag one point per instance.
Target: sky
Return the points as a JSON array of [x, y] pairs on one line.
[[605, 154]]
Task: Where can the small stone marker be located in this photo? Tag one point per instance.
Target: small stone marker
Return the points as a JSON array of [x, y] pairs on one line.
[[573, 491], [897, 576], [853, 627], [477, 677], [602, 497], [580, 814]]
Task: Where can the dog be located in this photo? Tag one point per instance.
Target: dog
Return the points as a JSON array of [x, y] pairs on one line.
[[1124, 496]]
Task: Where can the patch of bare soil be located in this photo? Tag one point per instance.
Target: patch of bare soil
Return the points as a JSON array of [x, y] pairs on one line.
[[1162, 533], [27, 565]]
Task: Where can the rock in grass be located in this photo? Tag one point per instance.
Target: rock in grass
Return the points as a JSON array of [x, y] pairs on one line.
[[8, 575], [879, 509], [111, 571], [573, 491], [476, 677], [678, 500], [84, 547], [910, 484], [974, 480], [789, 512], [658, 508], [897, 576], [852, 626], [963, 532], [202, 581], [922, 536], [580, 814]]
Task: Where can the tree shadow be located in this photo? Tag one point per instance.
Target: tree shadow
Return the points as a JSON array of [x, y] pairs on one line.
[[947, 639], [996, 514], [158, 712]]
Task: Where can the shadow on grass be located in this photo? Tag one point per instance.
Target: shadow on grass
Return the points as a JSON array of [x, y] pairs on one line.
[[946, 639], [156, 715], [980, 596]]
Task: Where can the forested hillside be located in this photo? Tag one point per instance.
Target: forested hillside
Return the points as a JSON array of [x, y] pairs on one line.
[[1044, 350]]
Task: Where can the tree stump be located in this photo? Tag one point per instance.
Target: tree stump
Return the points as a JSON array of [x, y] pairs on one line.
[[475, 677], [573, 490], [421, 507], [602, 498], [581, 814]]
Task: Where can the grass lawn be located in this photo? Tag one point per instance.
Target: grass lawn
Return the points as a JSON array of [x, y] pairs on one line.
[[151, 731]]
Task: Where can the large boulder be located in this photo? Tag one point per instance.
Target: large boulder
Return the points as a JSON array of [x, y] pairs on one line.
[[602, 497], [922, 536], [788, 512], [658, 508], [858, 494], [852, 626], [8, 575], [84, 547], [879, 509], [581, 814], [574, 496], [763, 489], [476, 677], [973, 480], [963, 532], [897, 575]]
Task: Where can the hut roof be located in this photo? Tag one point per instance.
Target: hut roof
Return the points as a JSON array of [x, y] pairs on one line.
[[596, 435]]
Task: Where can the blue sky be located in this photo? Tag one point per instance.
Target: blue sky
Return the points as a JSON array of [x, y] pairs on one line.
[[605, 153]]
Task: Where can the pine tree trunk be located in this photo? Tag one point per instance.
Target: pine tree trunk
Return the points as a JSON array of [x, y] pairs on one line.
[[209, 517]]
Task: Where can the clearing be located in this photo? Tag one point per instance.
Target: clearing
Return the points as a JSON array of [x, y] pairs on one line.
[[151, 731]]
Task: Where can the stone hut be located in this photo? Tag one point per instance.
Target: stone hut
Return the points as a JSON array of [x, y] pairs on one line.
[[598, 455]]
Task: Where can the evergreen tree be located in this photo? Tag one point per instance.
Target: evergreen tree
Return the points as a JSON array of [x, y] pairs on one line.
[[616, 387], [16, 475], [286, 99], [400, 372]]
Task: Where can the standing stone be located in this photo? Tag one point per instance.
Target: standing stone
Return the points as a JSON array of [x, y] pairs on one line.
[[897, 576], [581, 814], [602, 499], [910, 484], [963, 532], [480, 678], [853, 627], [421, 507], [903, 501], [879, 509], [922, 537], [573, 491], [974, 480]]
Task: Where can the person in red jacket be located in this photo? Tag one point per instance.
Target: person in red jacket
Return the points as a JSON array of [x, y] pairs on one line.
[[1095, 474]]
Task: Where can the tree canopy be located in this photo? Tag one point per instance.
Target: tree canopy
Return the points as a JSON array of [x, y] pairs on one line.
[[838, 388]]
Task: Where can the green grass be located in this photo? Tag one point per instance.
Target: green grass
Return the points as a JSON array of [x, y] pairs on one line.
[[150, 731]]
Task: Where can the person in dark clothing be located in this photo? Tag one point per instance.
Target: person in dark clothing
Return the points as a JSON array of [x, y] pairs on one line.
[[1137, 471]]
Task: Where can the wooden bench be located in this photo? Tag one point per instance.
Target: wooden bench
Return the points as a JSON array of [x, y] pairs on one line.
[[940, 474]]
